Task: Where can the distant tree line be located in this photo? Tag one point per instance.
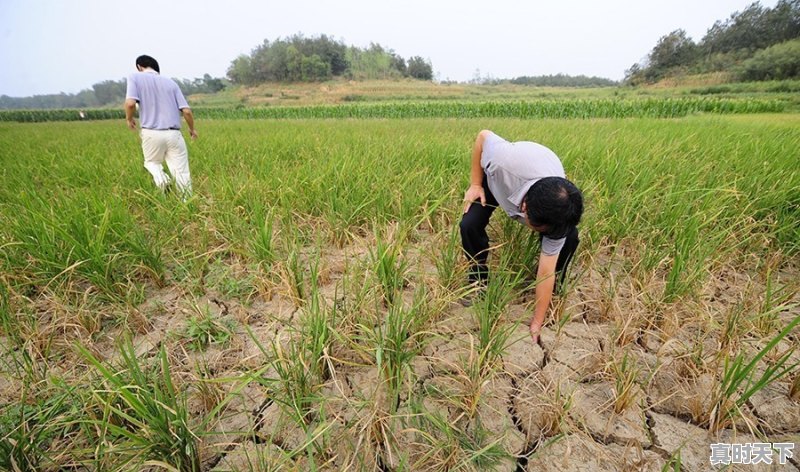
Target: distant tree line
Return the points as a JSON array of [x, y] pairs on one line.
[[755, 44], [557, 80], [563, 80], [107, 92], [308, 59]]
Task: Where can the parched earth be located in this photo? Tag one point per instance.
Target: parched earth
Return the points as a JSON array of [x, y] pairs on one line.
[[602, 391]]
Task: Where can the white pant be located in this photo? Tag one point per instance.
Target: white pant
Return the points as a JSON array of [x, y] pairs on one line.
[[161, 145]]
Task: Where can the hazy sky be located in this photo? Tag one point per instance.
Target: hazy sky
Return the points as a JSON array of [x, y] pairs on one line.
[[51, 46]]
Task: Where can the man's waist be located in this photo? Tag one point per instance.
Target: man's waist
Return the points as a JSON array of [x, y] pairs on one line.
[[162, 129]]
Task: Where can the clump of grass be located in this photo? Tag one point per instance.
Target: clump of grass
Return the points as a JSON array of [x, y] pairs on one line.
[[317, 329], [263, 244], [733, 327], [209, 391], [9, 323], [395, 348], [295, 386], [238, 284], [624, 372], [390, 269], [452, 447], [30, 428], [740, 381], [488, 311], [559, 403], [450, 261], [293, 274], [144, 416], [776, 300], [92, 240], [520, 250], [303, 363], [204, 329]]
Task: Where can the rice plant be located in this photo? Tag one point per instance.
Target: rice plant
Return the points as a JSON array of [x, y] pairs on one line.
[[263, 244], [624, 373], [454, 448], [450, 265], [295, 385], [776, 300], [396, 345], [390, 269], [144, 416], [740, 380], [689, 239], [317, 326], [203, 329], [493, 332], [29, 429]]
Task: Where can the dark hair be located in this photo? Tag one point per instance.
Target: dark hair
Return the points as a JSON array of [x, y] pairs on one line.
[[555, 203], [147, 61]]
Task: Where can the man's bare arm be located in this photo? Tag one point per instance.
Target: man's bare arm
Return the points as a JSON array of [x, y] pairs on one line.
[[189, 117], [475, 191], [546, 282], [130, 109]]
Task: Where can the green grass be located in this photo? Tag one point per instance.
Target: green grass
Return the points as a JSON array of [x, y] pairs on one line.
[[144, 416], [333, 241]]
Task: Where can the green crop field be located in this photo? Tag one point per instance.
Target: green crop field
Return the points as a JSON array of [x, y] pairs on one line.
[[298, 312]]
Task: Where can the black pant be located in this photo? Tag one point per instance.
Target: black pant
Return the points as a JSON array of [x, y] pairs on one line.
[[475, 240]]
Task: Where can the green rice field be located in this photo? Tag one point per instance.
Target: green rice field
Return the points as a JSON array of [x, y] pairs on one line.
[[299, 311]]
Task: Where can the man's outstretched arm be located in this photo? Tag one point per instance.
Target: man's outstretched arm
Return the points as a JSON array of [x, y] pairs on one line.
[[545, 283]]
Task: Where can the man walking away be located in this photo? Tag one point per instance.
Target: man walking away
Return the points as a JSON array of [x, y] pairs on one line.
[[161, 104]]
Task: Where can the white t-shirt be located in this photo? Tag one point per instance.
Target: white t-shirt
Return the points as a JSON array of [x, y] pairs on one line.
[[511, 169], [160, 100]]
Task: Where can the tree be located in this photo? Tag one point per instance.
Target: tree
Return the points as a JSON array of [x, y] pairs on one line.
[[297, 58], [754, 28], [784, 21], [634, 75], [294, 64], [212, 84], [110, 91], [399, 64], [419, 68], [241, 71], [781, 61], [314, 68], [328, 50], [673, 50], [727, 45]]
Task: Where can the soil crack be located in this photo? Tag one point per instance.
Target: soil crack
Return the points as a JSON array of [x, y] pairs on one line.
[[230, 447]]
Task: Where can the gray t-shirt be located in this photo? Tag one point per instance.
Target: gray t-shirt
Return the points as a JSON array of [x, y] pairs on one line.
[[511, 169], [160, 100]]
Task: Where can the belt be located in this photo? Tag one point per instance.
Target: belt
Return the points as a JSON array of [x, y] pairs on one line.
[[161, 129]]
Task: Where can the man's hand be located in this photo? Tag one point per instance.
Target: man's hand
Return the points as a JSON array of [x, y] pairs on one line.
[[474, 193], [193, 134], [132, 124], [536, 329]]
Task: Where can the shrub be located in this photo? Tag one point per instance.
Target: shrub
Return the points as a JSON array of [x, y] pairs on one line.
[[781, 61]]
